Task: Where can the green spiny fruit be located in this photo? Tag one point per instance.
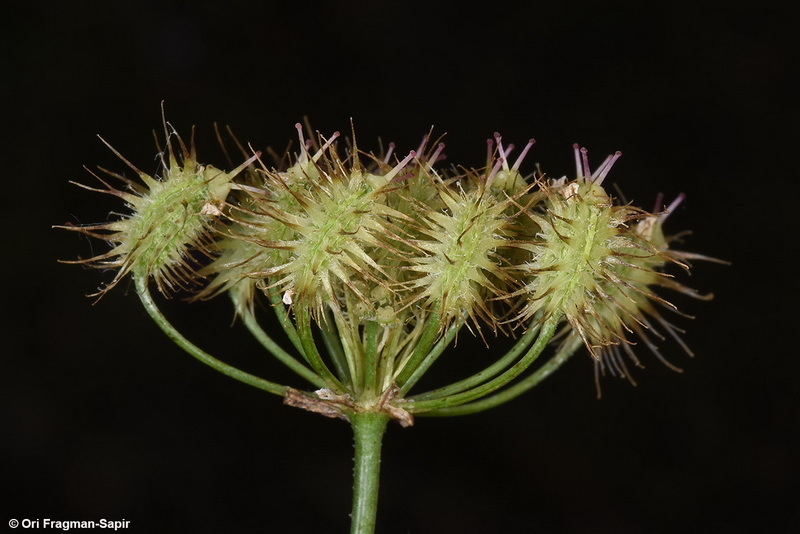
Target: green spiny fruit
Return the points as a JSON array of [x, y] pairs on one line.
[[325, 215], [171, 217]]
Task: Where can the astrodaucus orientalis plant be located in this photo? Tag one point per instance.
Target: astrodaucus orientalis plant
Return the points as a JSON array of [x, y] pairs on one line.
[[373, 264]]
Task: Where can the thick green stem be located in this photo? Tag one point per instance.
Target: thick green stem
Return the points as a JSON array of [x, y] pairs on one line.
[[368, 429], [191, 348]]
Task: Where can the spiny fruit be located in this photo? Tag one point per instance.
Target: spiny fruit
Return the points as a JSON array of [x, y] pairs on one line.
[[312, 228], [596, 263], [170, 220], [393, 242]]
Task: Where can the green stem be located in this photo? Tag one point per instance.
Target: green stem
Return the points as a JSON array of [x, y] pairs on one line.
[[249, 319], [368, 430], [432, 356], [517, 389], [545, 334], [485, 374], [426, 341], [371, 332], [192, 349], [312, 355], [329, 329], [283, 319]]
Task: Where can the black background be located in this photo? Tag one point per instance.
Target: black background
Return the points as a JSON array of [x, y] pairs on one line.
[[100, 416]]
